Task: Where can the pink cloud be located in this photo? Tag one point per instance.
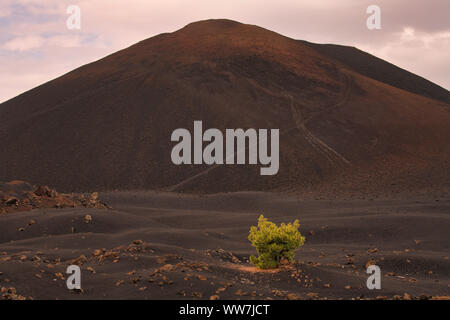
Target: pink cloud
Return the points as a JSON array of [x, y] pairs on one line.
[[114, 25], [24, 43]]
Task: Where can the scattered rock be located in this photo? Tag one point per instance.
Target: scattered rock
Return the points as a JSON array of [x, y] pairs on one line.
[[440, 298], [223, 255], [87, 218], [59, 275], [18, 196], [239, 292], [371, 262], [12, 201], [11, 294], [167, 267], [390, 274], [201, 277], [292, 296], [120, 282]]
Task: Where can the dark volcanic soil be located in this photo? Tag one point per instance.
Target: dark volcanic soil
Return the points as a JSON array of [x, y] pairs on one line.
[[169, 246]]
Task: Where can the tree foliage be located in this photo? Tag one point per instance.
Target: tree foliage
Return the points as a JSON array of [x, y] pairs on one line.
[[274, 244]]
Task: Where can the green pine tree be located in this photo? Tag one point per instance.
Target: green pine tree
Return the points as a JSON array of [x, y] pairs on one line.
[[274, 244]]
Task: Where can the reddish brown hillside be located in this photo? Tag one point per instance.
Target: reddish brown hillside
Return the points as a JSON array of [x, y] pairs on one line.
[[107, 125]]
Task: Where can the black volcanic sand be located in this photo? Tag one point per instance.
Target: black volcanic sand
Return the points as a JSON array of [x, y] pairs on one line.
[[171, 246]]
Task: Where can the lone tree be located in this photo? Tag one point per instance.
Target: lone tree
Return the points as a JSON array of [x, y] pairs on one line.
[[274, 244]]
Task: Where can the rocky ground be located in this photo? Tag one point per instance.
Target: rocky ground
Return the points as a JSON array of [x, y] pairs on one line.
[[169, 246], [16, 196]]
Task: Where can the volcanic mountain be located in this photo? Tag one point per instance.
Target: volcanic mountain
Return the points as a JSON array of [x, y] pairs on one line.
[[349, 122]]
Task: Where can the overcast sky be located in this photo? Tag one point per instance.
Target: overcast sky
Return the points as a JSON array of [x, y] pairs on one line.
[[36, 45]]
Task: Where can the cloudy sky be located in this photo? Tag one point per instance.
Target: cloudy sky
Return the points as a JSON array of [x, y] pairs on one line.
[[36, 45]]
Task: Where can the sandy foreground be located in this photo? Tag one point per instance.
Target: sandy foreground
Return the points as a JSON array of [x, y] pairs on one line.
[[169, 246]]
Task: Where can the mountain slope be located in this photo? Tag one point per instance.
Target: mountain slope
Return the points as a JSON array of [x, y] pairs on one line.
[[378, 69], [107, 125]]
